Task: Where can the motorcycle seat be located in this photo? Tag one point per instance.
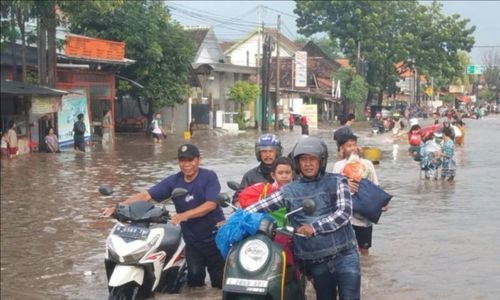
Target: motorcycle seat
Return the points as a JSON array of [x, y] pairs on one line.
[[171, 239]]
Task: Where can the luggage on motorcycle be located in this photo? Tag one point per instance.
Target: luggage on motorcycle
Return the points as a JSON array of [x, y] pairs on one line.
[[415, 138], [240, 225], [369, 200]]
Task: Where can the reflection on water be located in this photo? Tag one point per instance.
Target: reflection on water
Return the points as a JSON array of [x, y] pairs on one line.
[[439, 240]]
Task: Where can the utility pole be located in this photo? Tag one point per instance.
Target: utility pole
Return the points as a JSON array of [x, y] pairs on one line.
[[277, 76]]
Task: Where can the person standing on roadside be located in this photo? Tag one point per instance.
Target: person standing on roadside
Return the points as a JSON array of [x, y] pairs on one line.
[[197, 213], [52, 141], [12, 139], [291, 121], [107, 127], [363, 228], [304, 125], [79, 129]]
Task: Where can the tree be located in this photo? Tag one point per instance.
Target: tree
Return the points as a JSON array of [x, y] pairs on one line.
[[353, 91], [162, 51], [243, 92], [381, 34], [491, 62]]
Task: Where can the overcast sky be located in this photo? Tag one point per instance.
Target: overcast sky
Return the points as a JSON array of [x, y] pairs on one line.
[[223, 15]]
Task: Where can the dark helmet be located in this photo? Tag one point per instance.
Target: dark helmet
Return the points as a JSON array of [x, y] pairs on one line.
[[312, 146], [267, 141]]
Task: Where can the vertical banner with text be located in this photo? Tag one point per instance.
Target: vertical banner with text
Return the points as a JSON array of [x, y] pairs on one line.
[[300, 69], [73, 104]]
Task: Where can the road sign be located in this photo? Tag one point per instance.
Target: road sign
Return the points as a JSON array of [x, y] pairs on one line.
[[475, 69]]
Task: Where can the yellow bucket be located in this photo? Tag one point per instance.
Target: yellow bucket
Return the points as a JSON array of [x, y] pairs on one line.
[[372, 154], [187, 135]]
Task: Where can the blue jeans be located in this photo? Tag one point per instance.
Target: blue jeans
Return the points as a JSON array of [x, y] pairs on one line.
[[340, 274]]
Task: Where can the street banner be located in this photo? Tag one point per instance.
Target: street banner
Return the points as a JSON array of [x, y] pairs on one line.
[[44, 105], [300, 69], [85, 47], [311, 113], [73, 104]]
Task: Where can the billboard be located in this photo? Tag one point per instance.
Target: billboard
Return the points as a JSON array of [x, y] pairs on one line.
[[85, 47], [73, 104], [300, 69]]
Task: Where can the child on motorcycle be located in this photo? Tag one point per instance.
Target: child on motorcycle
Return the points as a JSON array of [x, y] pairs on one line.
[[281, 172]]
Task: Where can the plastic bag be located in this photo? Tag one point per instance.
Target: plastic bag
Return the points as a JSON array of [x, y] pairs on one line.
[[354, 168], [240, 225]]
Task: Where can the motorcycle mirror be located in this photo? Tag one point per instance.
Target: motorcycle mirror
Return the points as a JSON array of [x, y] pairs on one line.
[[234, 185], [223, 199], [106, 190], [309, 206], [179, 192]]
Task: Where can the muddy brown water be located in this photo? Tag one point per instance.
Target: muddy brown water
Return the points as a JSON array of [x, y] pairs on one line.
[[439, 240]]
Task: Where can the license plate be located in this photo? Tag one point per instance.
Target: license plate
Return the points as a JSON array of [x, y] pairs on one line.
[[242, 285], [132, 232]]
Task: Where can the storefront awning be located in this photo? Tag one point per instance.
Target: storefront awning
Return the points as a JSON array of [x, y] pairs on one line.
[[223, 67], [20, 88]]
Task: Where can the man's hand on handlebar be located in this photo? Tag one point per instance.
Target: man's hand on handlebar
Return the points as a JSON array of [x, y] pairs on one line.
[[108, 212], [178, 218], [306, 230]]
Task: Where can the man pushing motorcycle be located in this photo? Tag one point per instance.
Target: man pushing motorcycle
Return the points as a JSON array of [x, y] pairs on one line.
[[328, 249], [197, 213]]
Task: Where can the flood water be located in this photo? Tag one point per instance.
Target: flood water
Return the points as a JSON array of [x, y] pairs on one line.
[[439, 240]]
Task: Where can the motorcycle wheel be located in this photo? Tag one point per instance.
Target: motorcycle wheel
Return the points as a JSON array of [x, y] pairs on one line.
[[127, 291], [173, 280]]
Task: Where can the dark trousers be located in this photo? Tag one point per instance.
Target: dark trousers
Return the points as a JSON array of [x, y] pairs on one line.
[[79, 144], [340, 276], [201, 255]]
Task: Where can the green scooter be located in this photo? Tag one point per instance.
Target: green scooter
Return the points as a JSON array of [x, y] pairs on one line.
[[258, 266]]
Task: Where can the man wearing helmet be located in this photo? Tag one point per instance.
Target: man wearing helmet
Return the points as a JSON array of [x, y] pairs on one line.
[[327, 248], [267, 149]]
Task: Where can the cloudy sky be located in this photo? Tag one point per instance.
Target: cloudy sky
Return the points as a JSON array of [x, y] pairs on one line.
[[232, 19]]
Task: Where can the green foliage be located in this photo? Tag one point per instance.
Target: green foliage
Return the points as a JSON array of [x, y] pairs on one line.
[[487, 95], [389, 32], [243, 92], [447, 98], [162, 51], [353, 89]]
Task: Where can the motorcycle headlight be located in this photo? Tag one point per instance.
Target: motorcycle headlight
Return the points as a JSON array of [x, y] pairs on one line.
[[253, 255]]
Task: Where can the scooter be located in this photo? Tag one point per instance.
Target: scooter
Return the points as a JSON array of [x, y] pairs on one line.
[[144, 252], [258, 267]]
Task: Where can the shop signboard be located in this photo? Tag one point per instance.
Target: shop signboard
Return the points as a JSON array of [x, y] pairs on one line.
[[311, 113], [45, 105], [300, 69]]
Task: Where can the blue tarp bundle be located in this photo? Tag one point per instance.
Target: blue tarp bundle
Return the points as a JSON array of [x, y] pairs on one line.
[[240, 225]]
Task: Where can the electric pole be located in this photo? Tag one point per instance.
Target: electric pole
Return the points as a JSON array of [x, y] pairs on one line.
[[277, 98]]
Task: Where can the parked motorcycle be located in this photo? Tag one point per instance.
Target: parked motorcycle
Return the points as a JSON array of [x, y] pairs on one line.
[[261, 266], [144, 252]]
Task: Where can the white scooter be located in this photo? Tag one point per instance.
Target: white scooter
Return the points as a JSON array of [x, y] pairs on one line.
[[144, 252]]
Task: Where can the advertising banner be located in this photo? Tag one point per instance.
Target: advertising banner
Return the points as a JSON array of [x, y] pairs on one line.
[[300, 69], [85, 47], [45, 105], [73, 104]]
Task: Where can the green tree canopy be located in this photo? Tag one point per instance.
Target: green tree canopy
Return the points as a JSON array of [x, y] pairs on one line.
[[243, 92], [162, 51], [385, 33], [353, 90]]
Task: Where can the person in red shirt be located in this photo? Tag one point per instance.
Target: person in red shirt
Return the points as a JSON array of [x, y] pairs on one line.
[[304, 125], [291, 121]]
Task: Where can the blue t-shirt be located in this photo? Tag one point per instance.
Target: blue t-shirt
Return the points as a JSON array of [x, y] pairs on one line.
[[205, 187]]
